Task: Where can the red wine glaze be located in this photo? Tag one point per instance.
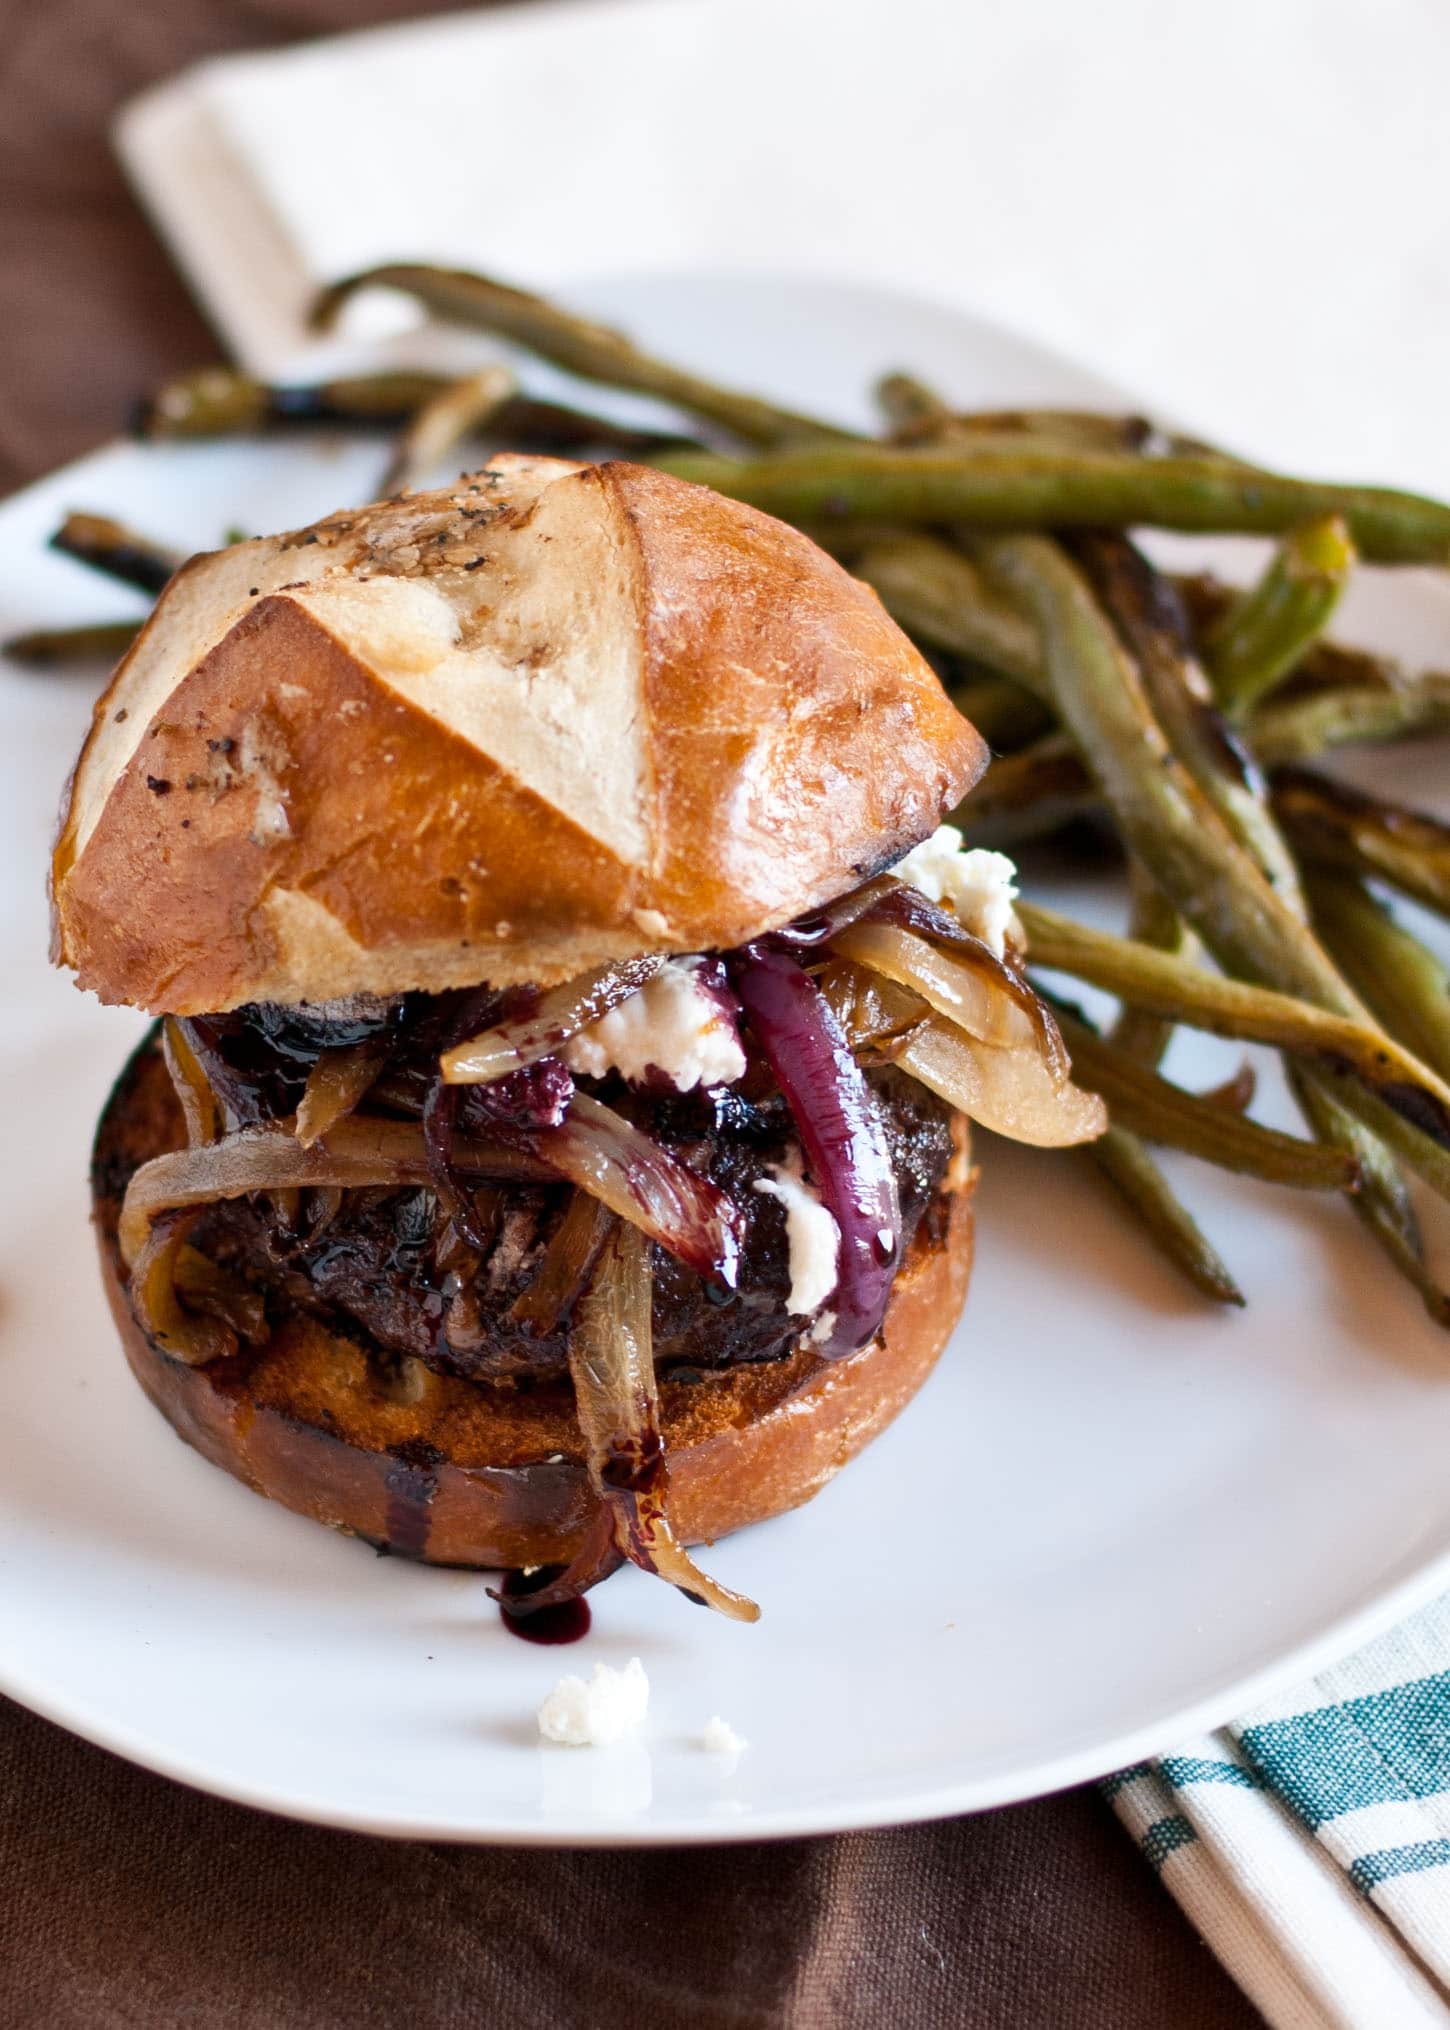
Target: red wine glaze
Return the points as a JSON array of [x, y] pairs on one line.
[[567, 1621]]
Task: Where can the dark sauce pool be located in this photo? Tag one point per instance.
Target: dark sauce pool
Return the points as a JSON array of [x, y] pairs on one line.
[[568, 1621]]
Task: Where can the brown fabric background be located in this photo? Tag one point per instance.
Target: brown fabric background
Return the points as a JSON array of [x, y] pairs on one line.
[[127, 1900]]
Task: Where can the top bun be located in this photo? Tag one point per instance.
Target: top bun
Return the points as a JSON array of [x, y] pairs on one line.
[[551, 716]]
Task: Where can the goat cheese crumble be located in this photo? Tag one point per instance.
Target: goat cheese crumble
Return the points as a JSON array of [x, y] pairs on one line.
[[811, 1234], [597, 1712], [718, 1737], [673, 1024], [980, 885]]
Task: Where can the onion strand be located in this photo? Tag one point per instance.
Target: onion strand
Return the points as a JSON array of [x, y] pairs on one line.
[[602, 1153], [358, 1152], [200, 1108], [336, 1084], [186, 1335], [557, 1015], [611, 1359], [956, 986], [568, 1263]]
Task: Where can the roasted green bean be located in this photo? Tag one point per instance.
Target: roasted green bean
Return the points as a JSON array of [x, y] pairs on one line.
[[1362, 1069], [1153, 623], [1296, 729], [1218, 888], [1082, 429], [1154, 922], [1130, 1167], [916, 412], [1167, 985], [932, 591], [1052, 768], [110, 547], [1382, 1201], [593, 351], [1163, 815], [51, 647], [223, 402], [1402, 1100], [1005, 482], [1149, 616], [1266, 633], [1402, 983], [1326, 664], [1151, 1106], [1337, 826], [458, 409], [218, 402]]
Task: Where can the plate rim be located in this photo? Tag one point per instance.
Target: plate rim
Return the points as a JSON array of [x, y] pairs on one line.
[[1069, 1771]]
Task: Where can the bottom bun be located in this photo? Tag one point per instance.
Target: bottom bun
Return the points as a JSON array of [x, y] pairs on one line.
[[477, 1475]]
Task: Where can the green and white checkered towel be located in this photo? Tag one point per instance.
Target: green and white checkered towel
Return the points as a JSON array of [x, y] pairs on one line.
[[1309, 1840]]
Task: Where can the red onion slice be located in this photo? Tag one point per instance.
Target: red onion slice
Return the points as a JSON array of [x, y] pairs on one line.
[[839, 1131], [602, 1153]]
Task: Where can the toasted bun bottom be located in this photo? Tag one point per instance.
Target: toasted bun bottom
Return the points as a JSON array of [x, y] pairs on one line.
[[479, 1476]]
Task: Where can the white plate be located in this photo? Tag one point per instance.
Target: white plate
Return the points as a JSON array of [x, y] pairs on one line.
[[1112, 1517]]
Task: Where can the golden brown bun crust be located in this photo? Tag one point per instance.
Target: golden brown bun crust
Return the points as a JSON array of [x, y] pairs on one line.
[[466, 1475], [551, 716]]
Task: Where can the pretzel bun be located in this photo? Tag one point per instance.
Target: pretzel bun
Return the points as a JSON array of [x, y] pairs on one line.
[[552, 716], [492, 1476]]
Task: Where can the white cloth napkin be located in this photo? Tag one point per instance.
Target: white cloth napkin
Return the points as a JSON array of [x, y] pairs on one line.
[[1309, 1840]]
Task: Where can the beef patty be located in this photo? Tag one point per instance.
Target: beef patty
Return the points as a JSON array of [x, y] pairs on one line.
[[391, 1263]]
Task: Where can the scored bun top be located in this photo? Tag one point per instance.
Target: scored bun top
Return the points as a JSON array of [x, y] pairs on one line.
[[551, 716]]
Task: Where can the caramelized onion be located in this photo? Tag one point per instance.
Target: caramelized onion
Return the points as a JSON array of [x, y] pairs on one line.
[[611, 1358], [839, 1130], [185, 1335], [819, 926], [440, 1143], [602, 1153], [969, 993], [335, 1085], [206, 1286], [568, 1263], [357, 1153], [200, 1108], [876, 1033], [910, 910], [906, 905], [1016, 1092], [557, 1015], [1012, 1092]]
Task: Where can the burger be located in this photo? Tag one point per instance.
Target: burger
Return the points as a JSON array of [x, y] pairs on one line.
[[553, 1146]]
